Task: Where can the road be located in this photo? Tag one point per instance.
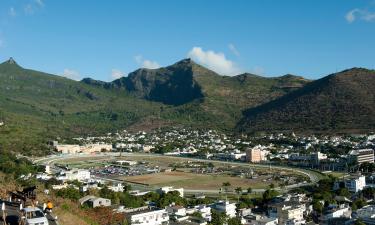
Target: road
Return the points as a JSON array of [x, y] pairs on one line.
[[12, 213], [313, 176]]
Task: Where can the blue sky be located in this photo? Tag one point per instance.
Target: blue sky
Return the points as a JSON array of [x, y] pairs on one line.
[[108, 39]]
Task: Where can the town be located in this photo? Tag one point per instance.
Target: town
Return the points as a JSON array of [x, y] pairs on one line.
[[182, 176]]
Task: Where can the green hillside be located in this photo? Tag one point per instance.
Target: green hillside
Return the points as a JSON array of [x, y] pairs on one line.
[[341, 102], [37, 107]]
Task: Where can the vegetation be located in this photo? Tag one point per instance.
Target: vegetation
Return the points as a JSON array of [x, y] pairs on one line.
[[38, 107], [342, 102]]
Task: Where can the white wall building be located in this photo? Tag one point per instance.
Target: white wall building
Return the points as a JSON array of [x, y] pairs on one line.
[[148, 217], [224, 206], [290, 213], [169, 189], [367, 214], [75, 174], [353, 184]]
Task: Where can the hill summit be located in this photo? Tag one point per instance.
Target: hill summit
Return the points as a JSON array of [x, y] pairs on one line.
[[343, 101]]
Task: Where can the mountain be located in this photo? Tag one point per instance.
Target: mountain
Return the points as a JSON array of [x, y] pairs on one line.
[[185, 83], [172, 85], [37, 106], [340, 102]]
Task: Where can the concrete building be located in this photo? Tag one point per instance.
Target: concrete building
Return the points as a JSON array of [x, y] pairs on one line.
[[75, 174], [176, 210], [169, 189], [287, 212], [361, 156], [148, 217], [224, 206], [254, 155], [367, 214], [97, 147], [68, 149], [341, 211], [265, 221], [89, 148], [353, 183], [93, 201]]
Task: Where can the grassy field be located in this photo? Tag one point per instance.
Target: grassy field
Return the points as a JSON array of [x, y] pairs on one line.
[[195, 181], [337, 174]]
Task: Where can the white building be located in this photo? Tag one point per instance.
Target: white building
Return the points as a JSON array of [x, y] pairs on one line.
[[203, 210], [176, 210], [290, 213], [117, 187], [367, 214], [148, 217], [169, 189], [75, 174], [361, 156], [265, 221], [353, 183], [68, 149], [341, 211], [224, 206]]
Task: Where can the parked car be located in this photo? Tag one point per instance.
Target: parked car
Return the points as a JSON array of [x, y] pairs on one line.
[[34, 216]]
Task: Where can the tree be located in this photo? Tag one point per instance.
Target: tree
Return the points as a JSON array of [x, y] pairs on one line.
[[234, 221], [359, 222], [249, 190], [318, 207], [269, 194], [344, 192], [218, 218], [272, 186], [226, 186], [238, 190]]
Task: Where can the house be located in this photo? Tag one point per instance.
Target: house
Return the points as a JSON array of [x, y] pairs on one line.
[[93, 201], [224, 206], [148, 217]]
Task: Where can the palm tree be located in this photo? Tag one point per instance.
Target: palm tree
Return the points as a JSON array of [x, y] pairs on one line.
[[226, 186], [249, 190], [239, 192]]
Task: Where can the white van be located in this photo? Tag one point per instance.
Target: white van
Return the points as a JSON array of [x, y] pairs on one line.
[[34, 216]]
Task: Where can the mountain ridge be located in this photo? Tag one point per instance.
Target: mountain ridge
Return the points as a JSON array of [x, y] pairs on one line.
[[339, 101]]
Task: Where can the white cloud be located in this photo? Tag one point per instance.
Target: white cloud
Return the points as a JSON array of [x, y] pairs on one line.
[[150, 64], [233, 49], [12, 12], [40, 3], [362, 14], [29, 9], [145, 63], [116, 74], [257, 70], [33, 6], [214, 61], [71, 74]]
